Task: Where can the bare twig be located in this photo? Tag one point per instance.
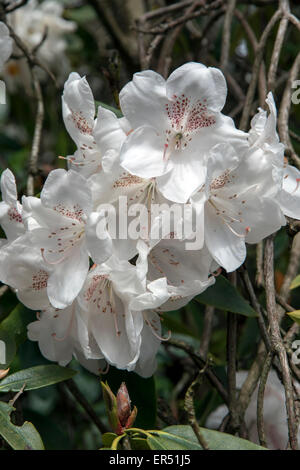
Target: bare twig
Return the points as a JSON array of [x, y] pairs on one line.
[[37, 134], [260, 400], [256, 67], [189, 407], [284, 5], [227, 33], [207, 330], [200, 362], [284, 111], [15, 6], [277, 340], [72, 387]]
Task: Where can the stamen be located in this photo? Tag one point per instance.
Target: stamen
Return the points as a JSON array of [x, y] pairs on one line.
[[104, 371], [78, 162], [161, 338], [53, 263], [297, 185]]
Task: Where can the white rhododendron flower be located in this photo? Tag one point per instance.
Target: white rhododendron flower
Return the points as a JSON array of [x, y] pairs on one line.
[[95, 138], [6, 44], [275, 419], [235, 211], [111, 314], [152, 206], [63, 227], [175, 123], [62, 334]]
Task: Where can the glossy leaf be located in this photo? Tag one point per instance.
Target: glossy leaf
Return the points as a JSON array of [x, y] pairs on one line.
[[35, 377], [108, 438], [13, 331], [295, 315], [224, 296], [295, 282], [183, 438], [24, 437]]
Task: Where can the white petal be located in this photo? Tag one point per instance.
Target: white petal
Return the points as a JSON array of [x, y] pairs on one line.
[[289, 197], [68, 193], [199, 83], [8, 187], [142, 153], [67, 280], [142, 100], [226, 248], [98, 241], [108, 132], [78, 109], [157, 293], [146, 364]]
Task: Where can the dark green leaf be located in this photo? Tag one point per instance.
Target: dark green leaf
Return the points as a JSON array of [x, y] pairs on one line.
[[183, 438], [295, 282], [24, 437], [35, 377], [108, 438], [138, 443], [13, 330], [224, 296]]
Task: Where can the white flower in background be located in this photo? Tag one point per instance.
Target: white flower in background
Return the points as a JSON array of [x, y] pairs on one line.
[[31, 22], [116, 306], [10, 209], [175, 123], [275, 418], [235, 209], [62, 334], [6, 44], [96, 138], [64, 227]]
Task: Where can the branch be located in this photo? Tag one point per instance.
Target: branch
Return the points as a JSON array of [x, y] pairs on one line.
[[72, 387], [200, 362], [227, 33], [277, 340], [37, 134], [256, 67]]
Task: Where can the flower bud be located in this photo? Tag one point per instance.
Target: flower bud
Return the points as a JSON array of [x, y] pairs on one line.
[[118, 408]]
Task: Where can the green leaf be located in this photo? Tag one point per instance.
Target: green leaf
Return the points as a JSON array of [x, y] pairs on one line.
[[108, 438], [35, 377], [117, 112], [295, 282], [177, 327], [224, 296], [24, 437], [137, 443], [295, 315], [13, 331], [183, 438]]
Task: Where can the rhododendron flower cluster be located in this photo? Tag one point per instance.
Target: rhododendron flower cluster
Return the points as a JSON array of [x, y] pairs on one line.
[[151, 207]]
